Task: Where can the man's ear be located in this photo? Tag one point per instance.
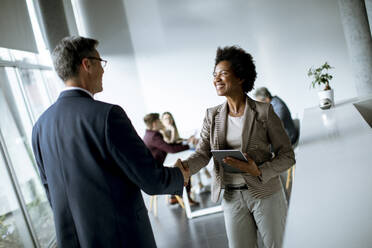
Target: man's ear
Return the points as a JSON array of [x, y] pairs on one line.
[[85, 63]]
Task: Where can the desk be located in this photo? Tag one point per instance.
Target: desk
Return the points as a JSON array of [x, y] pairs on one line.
[[170, 160], [331, 199]]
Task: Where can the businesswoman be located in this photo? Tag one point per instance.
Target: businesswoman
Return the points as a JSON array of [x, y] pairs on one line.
[[253, 198]]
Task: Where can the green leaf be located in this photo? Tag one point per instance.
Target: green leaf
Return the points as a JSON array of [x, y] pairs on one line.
[[320, 75]]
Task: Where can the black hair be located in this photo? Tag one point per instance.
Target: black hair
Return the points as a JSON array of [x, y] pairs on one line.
[[241, 63]]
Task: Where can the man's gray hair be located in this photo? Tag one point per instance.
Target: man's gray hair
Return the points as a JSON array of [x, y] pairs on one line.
[[262, 93], [68, 54]]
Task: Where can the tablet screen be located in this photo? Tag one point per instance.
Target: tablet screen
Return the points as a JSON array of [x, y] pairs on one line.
[[221, 154]]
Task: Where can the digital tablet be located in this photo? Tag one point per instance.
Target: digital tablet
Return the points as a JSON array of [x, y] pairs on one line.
[[221, 154]]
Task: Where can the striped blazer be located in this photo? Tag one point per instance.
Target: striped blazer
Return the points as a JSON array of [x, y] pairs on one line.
[[262, 133]]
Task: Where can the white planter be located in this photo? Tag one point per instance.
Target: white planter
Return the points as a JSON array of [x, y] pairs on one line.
[[326, 94]]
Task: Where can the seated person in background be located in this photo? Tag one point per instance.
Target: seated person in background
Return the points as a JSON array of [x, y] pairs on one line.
[[156, 144], [171, 135], [281, 110], [154, 139], [170, 131]]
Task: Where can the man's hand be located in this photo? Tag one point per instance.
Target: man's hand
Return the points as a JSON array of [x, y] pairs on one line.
[[249, 167], [185, 171]]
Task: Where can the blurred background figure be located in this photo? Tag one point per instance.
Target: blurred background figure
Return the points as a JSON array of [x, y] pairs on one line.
[[170, 131], [171, 135], [291, 126], [281, 110], [154, 139], [159, 148]]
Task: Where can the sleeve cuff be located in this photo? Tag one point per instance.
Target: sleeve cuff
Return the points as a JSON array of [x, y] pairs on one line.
[[179, 190], [265, 173]]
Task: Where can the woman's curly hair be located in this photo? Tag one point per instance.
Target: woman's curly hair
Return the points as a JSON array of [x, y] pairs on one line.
[[241, 62]]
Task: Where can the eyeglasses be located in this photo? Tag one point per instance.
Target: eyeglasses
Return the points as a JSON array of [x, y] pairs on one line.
[[103, 62]]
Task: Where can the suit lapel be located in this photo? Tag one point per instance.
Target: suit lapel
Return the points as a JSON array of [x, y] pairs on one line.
[[221, 125], [220, 120], [249, 117]]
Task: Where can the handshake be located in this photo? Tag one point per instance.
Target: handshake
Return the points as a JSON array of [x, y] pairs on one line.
[[185, 171]]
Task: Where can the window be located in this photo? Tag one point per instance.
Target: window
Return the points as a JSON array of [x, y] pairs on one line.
[[28, 85], [20, 158], [35, 91], [4, 54], [13, 228]]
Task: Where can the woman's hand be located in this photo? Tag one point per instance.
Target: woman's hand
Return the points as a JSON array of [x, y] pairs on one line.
[[249, 167]]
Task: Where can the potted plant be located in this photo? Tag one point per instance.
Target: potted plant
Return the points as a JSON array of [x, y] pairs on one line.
[[320, 77]]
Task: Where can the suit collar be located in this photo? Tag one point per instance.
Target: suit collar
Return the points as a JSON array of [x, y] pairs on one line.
[[74, 93], [221, 125], [77, 88], [249, 117], [251, 102]]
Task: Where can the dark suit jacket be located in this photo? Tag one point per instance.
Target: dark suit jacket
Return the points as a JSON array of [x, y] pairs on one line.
[[159, 148], [93, 165]]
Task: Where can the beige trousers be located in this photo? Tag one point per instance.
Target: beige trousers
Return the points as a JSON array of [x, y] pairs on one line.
[[244, 215]]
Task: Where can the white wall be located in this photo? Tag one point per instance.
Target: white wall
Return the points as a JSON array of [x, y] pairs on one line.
[[174, 44], [106, 21]]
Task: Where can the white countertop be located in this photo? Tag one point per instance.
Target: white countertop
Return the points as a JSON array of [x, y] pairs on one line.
[[331, 202]]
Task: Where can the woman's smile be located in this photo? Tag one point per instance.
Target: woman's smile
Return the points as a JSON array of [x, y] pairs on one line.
[[219, 86]]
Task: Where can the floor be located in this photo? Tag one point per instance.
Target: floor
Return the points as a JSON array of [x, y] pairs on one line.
[[172, 228]]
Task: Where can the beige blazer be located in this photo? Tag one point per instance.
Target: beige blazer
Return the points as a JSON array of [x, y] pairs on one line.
[[262, 128]]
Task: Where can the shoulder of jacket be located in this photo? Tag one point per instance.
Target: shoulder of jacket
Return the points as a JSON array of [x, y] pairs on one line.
[[108, 108], [50, 111], [262, 109], [105, 110], [213, 110], [105, 104]]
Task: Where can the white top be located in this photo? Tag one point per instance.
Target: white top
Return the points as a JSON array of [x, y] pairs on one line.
[[76, 88], [234, 132], [233, 141]]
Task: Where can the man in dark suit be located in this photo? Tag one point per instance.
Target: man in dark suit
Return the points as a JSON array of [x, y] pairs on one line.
[[92, 162]]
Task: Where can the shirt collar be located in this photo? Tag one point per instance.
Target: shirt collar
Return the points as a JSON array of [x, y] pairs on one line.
[[77, 88]]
